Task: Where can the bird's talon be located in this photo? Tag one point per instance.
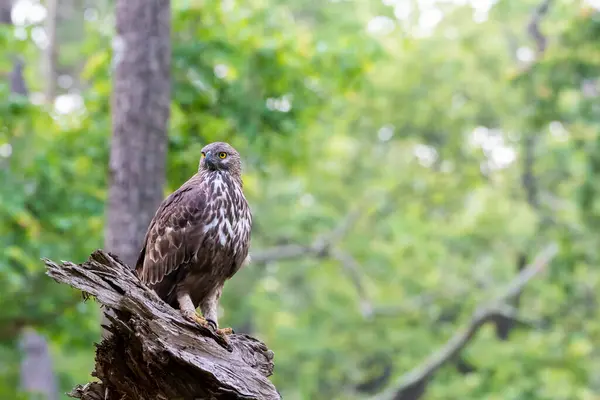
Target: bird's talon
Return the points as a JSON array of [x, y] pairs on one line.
[[225, 331], [213, 324], [193, 317]]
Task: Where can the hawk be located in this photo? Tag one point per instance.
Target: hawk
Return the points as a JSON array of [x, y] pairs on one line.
[[199, 237]]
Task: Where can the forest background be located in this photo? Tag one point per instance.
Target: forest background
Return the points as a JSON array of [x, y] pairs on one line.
[[404, 160]]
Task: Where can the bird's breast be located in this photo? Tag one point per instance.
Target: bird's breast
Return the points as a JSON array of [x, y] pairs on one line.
[[229, 223]]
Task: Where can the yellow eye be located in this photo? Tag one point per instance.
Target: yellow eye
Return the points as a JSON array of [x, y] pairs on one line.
[[222, 155], [203, 154]]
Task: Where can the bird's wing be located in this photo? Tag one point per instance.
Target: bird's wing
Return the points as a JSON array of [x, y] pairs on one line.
[[174, 235]]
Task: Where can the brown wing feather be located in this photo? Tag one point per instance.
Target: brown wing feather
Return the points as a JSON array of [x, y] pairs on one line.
[[174, 235]]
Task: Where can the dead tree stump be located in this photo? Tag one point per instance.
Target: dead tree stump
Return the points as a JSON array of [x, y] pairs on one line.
[[153, 352]]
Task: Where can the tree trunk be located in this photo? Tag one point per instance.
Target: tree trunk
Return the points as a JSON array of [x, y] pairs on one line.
[[51, 51], [17, 82], [37, 375], [5, 11], [70, 31], [140, 109]]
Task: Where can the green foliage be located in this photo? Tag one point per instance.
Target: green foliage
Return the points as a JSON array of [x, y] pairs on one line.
[[422, 131]]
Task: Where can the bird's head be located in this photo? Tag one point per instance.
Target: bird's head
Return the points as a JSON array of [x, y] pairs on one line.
[[220, 156]]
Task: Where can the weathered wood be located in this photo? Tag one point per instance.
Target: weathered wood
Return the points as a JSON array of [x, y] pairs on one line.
[[153, 352]]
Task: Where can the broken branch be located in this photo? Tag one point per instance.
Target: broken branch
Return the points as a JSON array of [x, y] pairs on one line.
[[153, 352]]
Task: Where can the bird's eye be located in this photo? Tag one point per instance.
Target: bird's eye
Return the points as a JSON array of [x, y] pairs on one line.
[[222, 155], [203, 154]]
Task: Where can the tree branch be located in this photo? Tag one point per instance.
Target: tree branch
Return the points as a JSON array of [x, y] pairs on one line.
[[324, 246], [320, 247], [533, 27], [412, 385], [153, 352], [529, 181]]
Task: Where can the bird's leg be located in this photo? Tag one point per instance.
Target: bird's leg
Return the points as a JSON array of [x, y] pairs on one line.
[[209, 310], [188, 310]]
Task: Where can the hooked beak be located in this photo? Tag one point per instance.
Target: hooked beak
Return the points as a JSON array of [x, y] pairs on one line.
[[209, 160]]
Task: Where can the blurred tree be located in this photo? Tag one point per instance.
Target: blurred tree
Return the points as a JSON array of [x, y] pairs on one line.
[[51, 50], [17, 82], [37, 375], [5, 11]]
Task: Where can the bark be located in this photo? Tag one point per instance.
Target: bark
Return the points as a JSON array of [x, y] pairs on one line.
[[140, 107], [153, 352]]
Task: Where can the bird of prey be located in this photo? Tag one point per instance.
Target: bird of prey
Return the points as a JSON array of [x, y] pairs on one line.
[[199, 237]]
